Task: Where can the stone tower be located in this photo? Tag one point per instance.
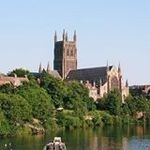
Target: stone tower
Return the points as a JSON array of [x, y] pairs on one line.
[[65, 54]]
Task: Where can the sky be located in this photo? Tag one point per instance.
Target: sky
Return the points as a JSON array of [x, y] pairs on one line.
[[107, 30]]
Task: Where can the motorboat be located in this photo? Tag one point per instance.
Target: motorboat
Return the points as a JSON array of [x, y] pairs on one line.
[[56, 144]]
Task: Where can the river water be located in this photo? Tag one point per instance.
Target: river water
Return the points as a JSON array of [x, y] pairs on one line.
[[107, 138]]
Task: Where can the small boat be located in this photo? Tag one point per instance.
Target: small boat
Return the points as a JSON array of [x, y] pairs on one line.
[[56, 144]]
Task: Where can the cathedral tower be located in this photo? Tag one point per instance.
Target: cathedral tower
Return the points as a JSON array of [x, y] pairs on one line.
[[65, 54]]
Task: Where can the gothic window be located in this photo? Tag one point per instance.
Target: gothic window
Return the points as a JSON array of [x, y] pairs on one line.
[[67, 52], [71, 52], [114, 83]]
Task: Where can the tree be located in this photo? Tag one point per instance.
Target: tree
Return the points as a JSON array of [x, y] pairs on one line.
[[15, 108], [4, 125], [39, 100], [78, 98], [7, 88], [113, 102], [54, 87], [21, 73], [137, 104]]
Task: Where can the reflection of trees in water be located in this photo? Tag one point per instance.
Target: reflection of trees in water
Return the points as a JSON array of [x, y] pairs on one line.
[[114, 138], [107, 138]]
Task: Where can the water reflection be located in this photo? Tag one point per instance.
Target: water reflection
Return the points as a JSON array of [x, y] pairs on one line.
[[108, 138]]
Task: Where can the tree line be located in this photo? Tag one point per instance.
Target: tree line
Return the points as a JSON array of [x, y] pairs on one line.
[[42, 99]]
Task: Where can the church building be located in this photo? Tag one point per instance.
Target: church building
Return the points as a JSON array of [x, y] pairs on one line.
[[99, 80]]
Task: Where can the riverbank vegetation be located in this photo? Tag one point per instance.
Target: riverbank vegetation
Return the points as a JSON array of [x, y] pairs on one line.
[[50, 103]]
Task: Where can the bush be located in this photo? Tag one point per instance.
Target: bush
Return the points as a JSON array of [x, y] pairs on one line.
[[4, 125], [117, 120], [15, 108], [68, 121], [97, 119], [107, 119]]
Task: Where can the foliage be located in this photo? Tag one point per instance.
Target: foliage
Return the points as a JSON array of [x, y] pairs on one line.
[[112, 103], [39, 100], [97, 119], [77, 98], [4, 125], [137, 104], [15, 108], [69, 95], [7, 88], [54, 87], [107, 118], [21, 73], [68, 120]]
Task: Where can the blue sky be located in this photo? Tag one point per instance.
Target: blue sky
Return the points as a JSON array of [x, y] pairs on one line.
[[113, 30]]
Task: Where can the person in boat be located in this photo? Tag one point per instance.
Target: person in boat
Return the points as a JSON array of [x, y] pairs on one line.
[[56, 145], [8, 146]]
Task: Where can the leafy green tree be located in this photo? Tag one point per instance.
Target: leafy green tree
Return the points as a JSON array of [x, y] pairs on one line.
[[77, 93], [54, 87], [4, 125], [113, 102], [141, 104], [131, 105], [7, 88], [100, 104], [91, 105], [125, 109], [137, 104], [97, 119], [39, 100], [21, 73], [15, 108]]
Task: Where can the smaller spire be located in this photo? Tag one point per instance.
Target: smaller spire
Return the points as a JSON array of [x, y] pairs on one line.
[[75, 36], [48, 68], [66, 37], [127, 84], [100, 82], [55, 37], [63, 36], [107, 66], [119, 68], [40, 68]]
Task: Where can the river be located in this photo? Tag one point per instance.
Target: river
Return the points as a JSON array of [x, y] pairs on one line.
[[107, 138]]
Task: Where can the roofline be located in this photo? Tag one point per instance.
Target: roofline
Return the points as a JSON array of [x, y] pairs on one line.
[[92, 68]]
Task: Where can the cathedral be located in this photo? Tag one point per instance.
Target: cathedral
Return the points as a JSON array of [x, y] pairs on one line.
[[99, 80]]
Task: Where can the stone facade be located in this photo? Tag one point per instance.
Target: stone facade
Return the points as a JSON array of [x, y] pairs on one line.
[[15, 81], [99, 80], [65, 54]]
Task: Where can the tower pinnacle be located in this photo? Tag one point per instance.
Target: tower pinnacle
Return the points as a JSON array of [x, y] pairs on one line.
[[75, 36], [119, 68], [66, 36], [48, 68], [40, 68], [55, 37], [63, 36]]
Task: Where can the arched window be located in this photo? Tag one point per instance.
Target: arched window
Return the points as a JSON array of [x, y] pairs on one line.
[[114, 83], [67, 52], [71, 52]]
